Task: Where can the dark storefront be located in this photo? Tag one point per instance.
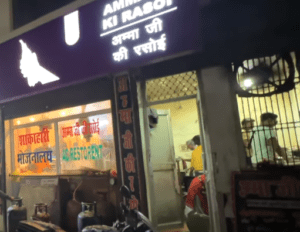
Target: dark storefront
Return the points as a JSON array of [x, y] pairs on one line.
[[75, 80]]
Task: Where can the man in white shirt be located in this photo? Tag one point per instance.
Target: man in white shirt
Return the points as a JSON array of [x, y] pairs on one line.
[[265, 143]]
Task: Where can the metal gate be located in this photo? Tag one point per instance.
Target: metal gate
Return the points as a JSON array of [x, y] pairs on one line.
[[172, 88], [285, 105]]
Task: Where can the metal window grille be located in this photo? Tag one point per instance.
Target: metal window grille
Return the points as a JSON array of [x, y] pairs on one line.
[[285, 105], [172, 87]]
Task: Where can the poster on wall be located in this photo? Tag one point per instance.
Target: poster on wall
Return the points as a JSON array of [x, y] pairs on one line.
[[34, 150], [267, 201], [87, 143]]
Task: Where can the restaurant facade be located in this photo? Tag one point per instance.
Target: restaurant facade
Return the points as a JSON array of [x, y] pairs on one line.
[[73, 95]]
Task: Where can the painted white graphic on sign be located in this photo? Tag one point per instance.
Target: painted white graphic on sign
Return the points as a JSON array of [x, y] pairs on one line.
[[152, 46], [131, 35], [122, 54], [71, 25], [32, 70], [155, 26]]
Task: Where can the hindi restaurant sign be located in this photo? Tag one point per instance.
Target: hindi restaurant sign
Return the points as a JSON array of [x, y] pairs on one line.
[[100, 38], [267, 201], [131, 16]]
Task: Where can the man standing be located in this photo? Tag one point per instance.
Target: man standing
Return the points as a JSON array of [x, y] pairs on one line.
[[265, 143], [196, 162], [247, 126]]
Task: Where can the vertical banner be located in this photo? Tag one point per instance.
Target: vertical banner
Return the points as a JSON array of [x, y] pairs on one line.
[[128, 154]]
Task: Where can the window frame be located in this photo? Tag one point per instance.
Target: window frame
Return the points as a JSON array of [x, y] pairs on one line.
[[56, 132]]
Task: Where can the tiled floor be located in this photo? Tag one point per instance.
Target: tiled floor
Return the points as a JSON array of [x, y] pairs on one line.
[[184, 229]]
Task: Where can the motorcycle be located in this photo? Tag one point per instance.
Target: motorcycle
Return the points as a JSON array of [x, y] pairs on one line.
[[135, 221]]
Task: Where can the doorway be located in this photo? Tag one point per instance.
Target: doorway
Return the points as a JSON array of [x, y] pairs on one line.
[[172, 101]]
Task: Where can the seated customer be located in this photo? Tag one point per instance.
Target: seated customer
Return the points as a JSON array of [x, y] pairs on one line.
[[196, 209]]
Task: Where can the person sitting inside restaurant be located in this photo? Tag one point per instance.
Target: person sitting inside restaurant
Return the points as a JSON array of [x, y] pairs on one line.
[[196, 206], [196, 161], [265, 144]]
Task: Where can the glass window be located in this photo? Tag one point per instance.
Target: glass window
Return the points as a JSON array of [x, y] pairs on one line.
[[63, 113], [34, 150], [87, 143], [65, 141]]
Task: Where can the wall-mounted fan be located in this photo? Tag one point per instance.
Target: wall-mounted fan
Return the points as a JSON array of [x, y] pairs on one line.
[[265, 76]]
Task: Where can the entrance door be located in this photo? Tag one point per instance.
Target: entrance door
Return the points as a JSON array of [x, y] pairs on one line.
[[167, 195]]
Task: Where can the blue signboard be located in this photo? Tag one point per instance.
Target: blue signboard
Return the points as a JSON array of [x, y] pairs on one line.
[[101, 38]]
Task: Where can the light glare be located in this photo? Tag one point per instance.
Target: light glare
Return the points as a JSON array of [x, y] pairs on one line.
[[71, 25], [248, 83], [32, 70], [139, 21]]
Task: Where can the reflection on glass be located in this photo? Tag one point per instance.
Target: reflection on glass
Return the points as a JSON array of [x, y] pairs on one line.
[[87, 144], [34, 150], [63, 113]]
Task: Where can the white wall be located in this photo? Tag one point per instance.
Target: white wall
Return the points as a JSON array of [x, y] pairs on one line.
[[185, 124]]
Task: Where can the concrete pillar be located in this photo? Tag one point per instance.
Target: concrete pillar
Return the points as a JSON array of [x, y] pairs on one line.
[[5, 17], [222, 138]]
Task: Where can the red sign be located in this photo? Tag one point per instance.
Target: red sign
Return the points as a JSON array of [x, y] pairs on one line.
[[127, 137], [130, 163], [41, 137], [87, 128], [125, 116], [267, 200]]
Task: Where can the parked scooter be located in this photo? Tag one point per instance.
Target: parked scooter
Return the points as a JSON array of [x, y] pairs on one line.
[[135, 221]]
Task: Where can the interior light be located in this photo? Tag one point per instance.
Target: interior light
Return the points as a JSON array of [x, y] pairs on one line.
[[63, 113], [103, 123], [259, 75], [32, 119], [18, 122], [248, 83], [71, 25]]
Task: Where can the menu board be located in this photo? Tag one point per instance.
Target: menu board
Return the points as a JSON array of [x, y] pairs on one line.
[[87, 143], [34, 149], [267, 201]]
